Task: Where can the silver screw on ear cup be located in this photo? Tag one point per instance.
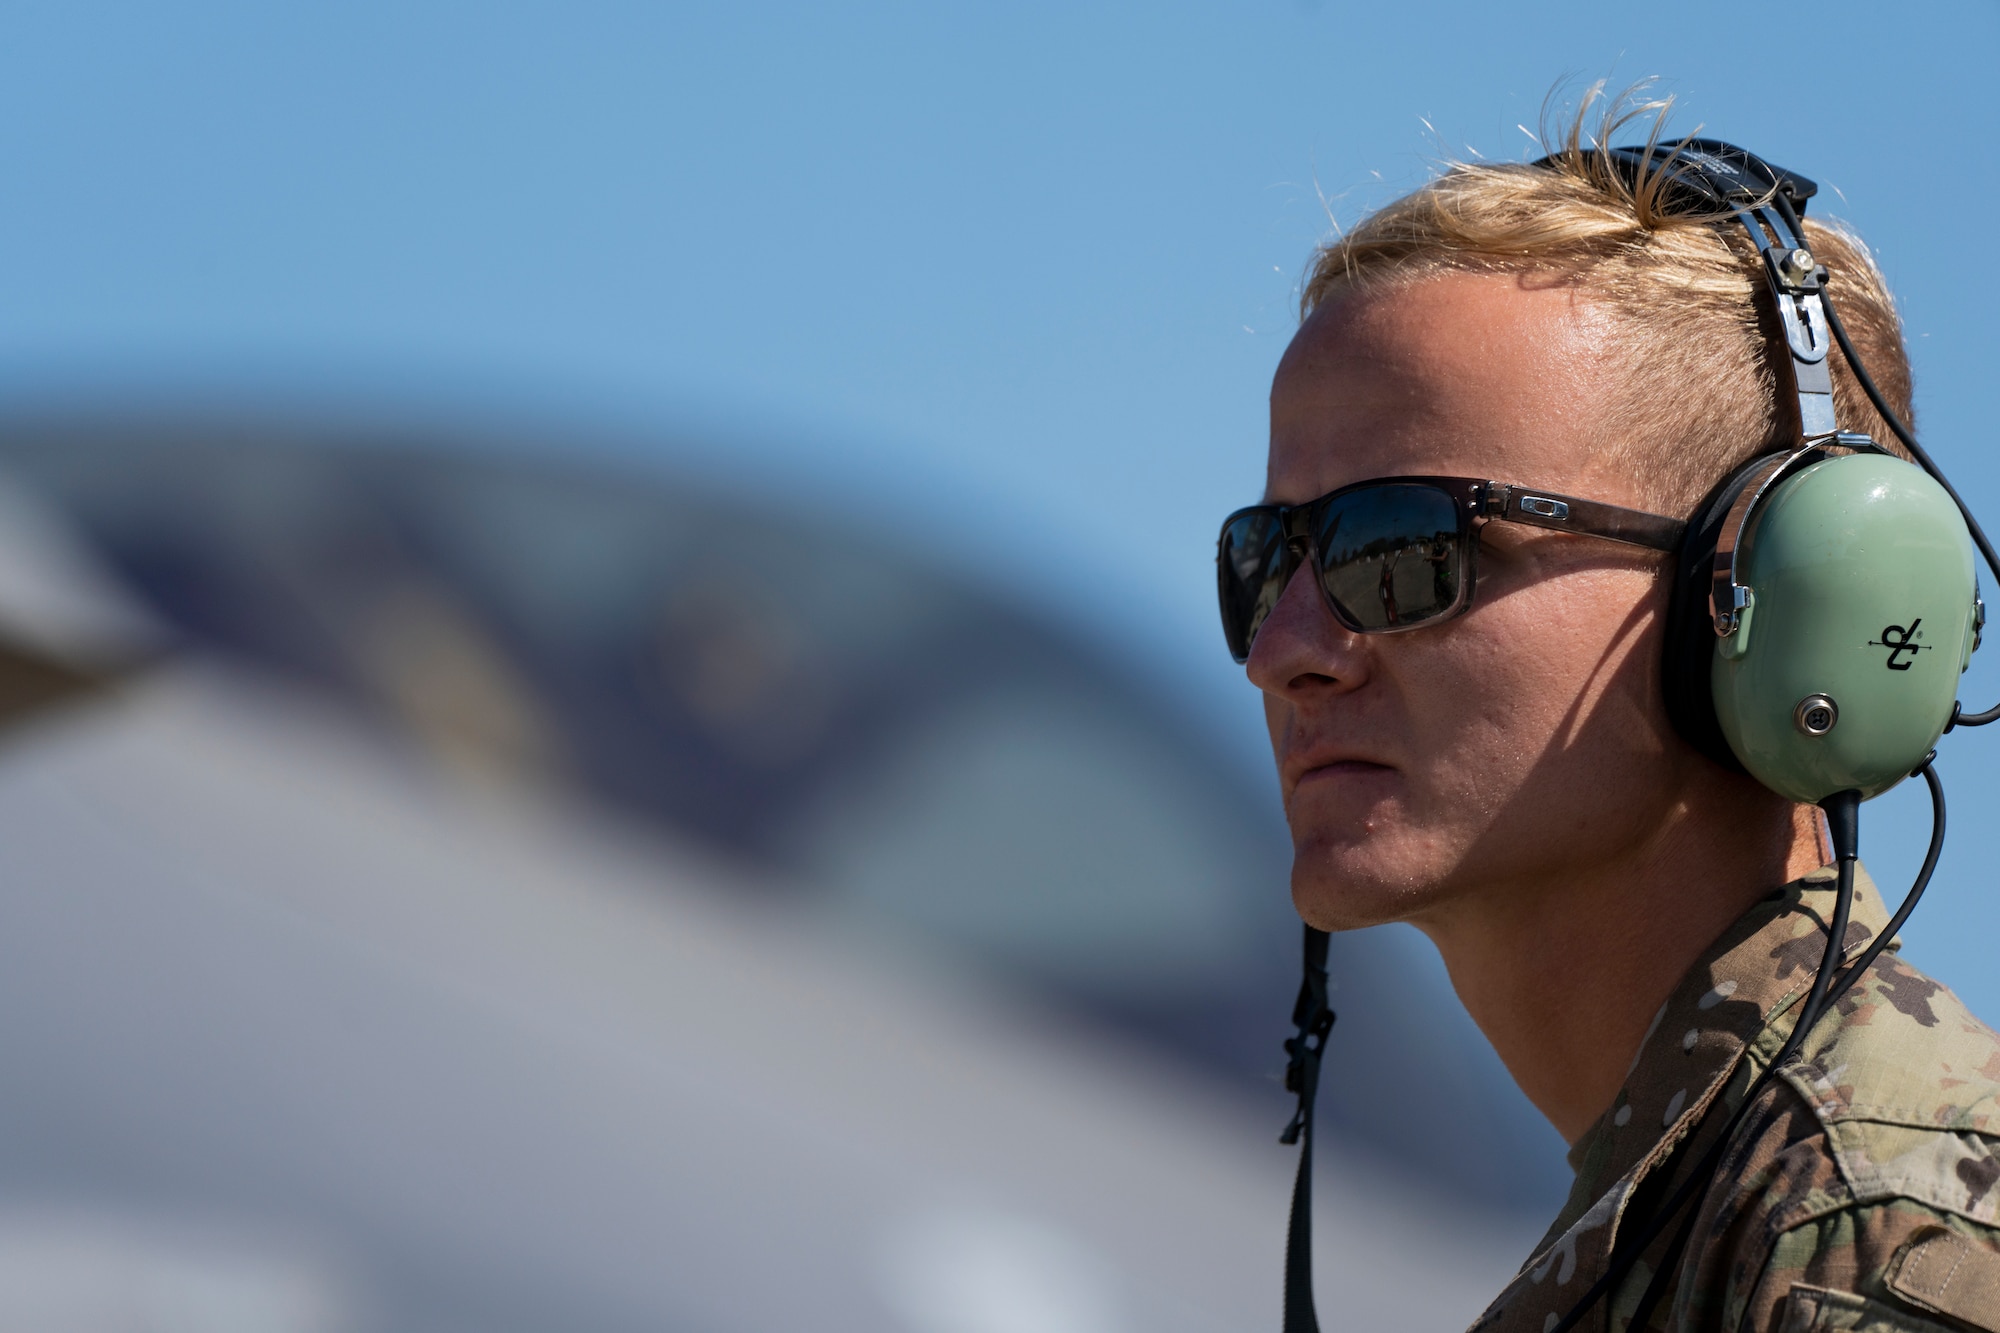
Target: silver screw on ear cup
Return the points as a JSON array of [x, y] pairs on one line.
[[1816, 714]]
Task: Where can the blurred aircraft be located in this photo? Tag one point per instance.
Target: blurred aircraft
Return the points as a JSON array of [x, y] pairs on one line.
[[451, 889]]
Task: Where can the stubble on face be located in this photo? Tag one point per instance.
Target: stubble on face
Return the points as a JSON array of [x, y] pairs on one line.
[[1525, 737]]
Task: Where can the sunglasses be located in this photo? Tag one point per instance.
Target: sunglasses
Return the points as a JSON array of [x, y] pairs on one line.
[[1397, 552]]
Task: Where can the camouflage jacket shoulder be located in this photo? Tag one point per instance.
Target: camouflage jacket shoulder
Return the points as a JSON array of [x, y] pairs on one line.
[[1858, 1193]]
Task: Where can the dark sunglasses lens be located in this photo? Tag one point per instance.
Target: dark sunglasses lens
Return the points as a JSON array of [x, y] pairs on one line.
[[1390, 556], [1250, 570]]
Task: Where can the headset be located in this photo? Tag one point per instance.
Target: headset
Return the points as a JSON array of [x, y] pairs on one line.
[[1824, 605]]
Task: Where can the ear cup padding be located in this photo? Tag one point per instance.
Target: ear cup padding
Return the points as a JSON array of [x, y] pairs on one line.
[[1689, 649]]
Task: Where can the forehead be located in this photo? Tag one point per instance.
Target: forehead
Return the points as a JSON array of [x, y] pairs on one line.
[[1499, 376]]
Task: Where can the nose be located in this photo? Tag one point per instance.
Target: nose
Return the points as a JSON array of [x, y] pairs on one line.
[[1301, 649]]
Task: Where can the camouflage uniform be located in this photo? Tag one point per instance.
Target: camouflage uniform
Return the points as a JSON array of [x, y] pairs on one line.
[[1859, 1192]]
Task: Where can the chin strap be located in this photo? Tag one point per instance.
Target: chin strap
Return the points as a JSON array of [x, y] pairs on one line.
[[1314, 1020]]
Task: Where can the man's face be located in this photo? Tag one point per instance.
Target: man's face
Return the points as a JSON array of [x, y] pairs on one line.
[[1527, 736]]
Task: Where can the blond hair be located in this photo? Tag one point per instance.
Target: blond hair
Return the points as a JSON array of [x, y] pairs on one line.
[[1703, 382]]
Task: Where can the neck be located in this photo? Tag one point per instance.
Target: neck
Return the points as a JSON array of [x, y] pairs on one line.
[[1564, 975]]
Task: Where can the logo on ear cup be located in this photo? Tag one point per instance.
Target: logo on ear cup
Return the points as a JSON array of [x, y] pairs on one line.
[[1899, 641]]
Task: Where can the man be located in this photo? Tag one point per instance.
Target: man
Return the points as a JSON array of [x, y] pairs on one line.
[[1632, 925]]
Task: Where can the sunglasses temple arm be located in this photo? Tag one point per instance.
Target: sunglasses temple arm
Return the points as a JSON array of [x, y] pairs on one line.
[[1566, 513]]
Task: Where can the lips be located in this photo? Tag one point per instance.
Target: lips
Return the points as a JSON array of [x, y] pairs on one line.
[[1314, 767]]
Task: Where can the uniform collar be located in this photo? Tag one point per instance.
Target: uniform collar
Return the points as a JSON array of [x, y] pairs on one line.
[[1730, 1001]]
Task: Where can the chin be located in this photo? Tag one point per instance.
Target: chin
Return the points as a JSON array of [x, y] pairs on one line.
[[1349, 885]]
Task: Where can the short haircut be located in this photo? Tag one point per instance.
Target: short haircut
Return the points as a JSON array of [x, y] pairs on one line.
[[1703, 383]]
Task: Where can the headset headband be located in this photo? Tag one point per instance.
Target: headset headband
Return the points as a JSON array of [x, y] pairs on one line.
[[1770, 203], [1713, 176]]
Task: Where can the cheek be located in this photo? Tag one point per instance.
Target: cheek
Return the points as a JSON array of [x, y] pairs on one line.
[[1604, 674], [1557, 682], [1472, 709]]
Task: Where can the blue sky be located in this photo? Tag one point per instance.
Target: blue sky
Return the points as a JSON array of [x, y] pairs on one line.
[[1015, 276]]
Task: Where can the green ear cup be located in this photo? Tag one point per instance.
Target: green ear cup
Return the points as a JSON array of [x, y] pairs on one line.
[[1843, 669]]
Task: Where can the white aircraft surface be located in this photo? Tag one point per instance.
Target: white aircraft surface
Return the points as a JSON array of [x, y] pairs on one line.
[[298, 1038], [315, 1017]]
